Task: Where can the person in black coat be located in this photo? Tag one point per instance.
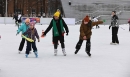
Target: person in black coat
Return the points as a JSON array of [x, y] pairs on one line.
[[16, 18], [115, 27], [58, 26]]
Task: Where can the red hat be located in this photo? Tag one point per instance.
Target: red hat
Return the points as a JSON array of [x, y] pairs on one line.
[[86, 19]]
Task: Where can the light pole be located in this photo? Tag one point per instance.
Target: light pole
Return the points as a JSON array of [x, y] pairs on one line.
[[5, 13]]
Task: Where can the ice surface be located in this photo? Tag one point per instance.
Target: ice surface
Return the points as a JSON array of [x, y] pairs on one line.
[[106, 61]]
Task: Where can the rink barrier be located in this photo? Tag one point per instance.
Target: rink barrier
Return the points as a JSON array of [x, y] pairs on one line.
[[43, 21]]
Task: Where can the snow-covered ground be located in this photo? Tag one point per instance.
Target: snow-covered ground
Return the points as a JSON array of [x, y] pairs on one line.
[[106, 61]]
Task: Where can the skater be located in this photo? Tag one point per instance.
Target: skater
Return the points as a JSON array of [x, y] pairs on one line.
[[19, 20], [85, 34], [58, 26], [129, 24], [23, 28], [31, 33], [115, 27], [16, 18], [60, 17], [95, 20]]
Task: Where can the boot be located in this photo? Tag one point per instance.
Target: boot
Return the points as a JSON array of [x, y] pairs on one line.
[[89, 54], [64, 53], [55, 52], [36, 54], [26, 55], [76, 51]]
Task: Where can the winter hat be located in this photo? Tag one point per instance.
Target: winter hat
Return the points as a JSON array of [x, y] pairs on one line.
[[57, 14], [27, 20], [114, 12], [86, 19], [32, 23]]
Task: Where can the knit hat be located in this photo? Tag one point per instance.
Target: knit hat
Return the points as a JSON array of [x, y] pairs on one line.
[[27, 20], [114, 12], [57, 14], [32, 23], [86, 19]]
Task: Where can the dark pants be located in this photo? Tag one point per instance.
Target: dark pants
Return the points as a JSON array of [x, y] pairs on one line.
[[88, 45], [56, 39], [114, 34], [29, 44], [97, 26], [21, 44]]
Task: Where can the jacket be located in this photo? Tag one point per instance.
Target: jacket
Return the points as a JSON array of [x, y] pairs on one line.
[[22, 28], [114, 21], [31, 33], [58, 27], [85, 29]]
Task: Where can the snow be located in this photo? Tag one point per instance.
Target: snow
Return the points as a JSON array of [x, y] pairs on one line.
[[106, 61]]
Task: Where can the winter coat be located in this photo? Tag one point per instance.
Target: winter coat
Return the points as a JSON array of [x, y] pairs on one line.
[[58, 27], [22, 28], [31, 33], [114, 21], [85, 29], [15, 17]]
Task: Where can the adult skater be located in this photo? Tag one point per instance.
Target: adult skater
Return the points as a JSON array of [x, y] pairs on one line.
[[60, 17], [31, 33], [58, 26], [85, 34], [16, 18], [115, 27], [24, 27], [19, 20]]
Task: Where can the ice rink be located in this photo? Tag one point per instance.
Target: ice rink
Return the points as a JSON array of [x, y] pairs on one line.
[[106, 61]]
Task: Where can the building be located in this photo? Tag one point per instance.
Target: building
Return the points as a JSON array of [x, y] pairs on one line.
[[30, 7]]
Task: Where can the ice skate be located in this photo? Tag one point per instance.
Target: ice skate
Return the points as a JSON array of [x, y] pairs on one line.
[[76, 51], [64, 53], [113, 43], [55, 52], [89, 54], [26, 55], [36, 54], [19, 52]]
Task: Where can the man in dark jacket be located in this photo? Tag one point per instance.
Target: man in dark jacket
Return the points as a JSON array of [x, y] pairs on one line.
[[16, 18], [115, 27], [58, 26]]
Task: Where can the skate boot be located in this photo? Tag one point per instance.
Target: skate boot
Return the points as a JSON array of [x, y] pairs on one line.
[[113, 43], [64, 53], [36, 54], [19, 51], [55, 52], [76, 51], [89, 54], [26, 55]]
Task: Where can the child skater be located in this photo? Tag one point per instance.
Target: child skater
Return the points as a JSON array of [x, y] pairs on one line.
[[31, 33]]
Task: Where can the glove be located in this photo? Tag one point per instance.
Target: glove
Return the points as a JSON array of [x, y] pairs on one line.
[[104, 20], [109, 27]]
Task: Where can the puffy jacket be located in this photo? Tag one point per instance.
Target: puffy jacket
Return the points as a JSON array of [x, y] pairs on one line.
[[114, 21], [22, 28], [85, 30]]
